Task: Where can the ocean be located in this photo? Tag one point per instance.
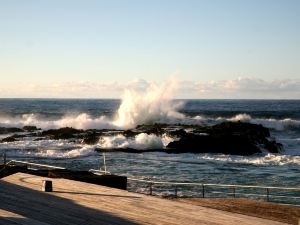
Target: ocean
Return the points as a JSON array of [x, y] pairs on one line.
[[282, 117]]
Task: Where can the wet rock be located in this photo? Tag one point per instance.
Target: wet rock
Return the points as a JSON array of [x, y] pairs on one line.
[[177, 133], [62, 133], [8, 139], [156, 129], [227, 144], [30, 128], [7, 130], [234, 138], [91, 138], [130, 133]]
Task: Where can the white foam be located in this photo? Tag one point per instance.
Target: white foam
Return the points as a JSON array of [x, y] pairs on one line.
[[277, 124], [149, 106], [74, 153], [46, 149], [140, 141], [268, 159]]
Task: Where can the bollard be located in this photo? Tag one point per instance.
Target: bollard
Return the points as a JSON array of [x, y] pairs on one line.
[[47, 186]]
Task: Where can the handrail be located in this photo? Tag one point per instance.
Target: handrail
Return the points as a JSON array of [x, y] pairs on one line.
[[204, 191], [35, 164], [215, 185], [99, 171]]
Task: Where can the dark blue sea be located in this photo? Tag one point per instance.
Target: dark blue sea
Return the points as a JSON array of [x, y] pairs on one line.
[[282, 117]]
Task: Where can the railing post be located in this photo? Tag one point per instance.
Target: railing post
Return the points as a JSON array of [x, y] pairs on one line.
[[150, 188], [175, 191], [233, 189], [203, 190], [268, 199], [4, 157]]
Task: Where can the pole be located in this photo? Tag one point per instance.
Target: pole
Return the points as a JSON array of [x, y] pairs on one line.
[[104, 161], [4, 158]]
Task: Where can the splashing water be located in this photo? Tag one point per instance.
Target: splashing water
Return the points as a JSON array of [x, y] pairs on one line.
[[154, 105], [140, 141]]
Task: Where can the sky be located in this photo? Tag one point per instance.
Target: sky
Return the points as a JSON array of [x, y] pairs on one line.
[[96, 49]]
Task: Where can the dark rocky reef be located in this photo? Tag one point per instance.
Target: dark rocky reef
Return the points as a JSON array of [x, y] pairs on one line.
[[7, 130], [91, 137], [8, 139], [62, 133], [235, 138]]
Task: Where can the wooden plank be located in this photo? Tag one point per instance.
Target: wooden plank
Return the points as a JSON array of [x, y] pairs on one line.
[[73, 202], [8, 218]]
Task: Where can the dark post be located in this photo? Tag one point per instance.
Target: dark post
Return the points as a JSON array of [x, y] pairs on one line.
[[47, 186], [268, 194], [150, 188], [233, 189], [175, 191], [203, 194], [4, 158]]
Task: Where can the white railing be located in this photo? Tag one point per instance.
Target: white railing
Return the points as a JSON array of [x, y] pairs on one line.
[[34, 164]]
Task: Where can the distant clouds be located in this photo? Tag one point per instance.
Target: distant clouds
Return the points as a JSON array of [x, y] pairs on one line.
[[239, 88], [245, 88]]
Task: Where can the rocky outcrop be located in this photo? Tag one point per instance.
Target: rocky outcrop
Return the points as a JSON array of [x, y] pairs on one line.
[[90, 138], [62, 133], [8, 139], [7, 130], [235, 138]]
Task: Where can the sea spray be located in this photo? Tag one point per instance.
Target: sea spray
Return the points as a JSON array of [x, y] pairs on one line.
[[148, 106], [141, 141]]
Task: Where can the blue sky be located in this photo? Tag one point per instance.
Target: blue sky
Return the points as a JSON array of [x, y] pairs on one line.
[[109, 45]]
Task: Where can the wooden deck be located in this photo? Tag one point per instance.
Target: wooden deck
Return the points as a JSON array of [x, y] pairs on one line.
[[73, 202]]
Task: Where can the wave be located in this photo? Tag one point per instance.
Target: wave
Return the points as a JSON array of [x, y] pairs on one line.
[[268, 159], [276, 124], [141, 141], [150, 106], [81, 121], [60, 149], [65, 149], [153, 105]]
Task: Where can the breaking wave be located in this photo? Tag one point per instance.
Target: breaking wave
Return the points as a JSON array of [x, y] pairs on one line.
[[140, 141], [46, 149], [276, 124], [153, 106], [268, 159]]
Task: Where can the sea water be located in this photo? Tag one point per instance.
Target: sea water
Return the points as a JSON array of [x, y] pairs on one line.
[[282, 117]]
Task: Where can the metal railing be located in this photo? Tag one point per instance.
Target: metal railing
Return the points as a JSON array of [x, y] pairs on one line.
[[100, 172], [269, 193], [14, 162]]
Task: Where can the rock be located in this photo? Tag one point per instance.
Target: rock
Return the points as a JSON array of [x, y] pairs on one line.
[[62, 133], [8, 139], [129, 133], [30, 128], [151, 129], [90, 138], [7, 130], [234, 138], [177, 133], [227, 144]]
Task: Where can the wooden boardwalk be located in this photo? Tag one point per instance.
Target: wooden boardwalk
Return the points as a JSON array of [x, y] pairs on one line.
[[73, 202]]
